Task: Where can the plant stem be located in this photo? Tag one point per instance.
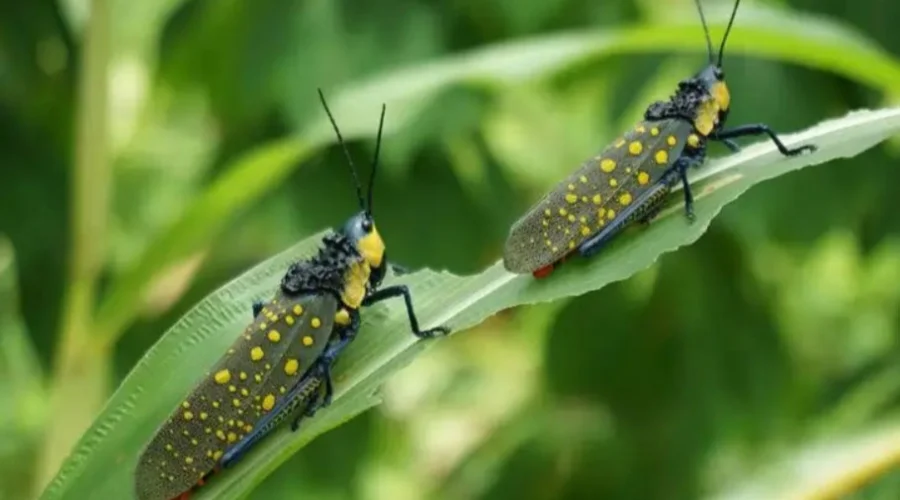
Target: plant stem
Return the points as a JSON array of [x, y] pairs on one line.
[[80, 380]]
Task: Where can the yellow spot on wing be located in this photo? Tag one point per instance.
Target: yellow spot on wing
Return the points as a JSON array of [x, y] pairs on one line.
[[307, 340], [342, 317], [220, 434], [232, 437], [611, 214], [256, 353], [268, 402], [274, 336], [203, 415], [585, 230], [613, 182], [289, 319], [661, 157], [597, 199], [298, 309], [671, 140], [188, 415], [222, 376], [635, 148], [315, 322], [243, 376], [583, 179], [291, 366], [693, 140], [654, 131], [571, 197], [563, 212], [625, 198], [262, 326], [548, 213], [643, 178], [571, 218], [607, 165]]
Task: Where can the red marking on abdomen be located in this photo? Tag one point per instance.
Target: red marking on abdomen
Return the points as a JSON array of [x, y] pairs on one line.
[[543, 272], [200, 482]]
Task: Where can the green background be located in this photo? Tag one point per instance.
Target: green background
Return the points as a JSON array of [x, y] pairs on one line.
[[147, 160]]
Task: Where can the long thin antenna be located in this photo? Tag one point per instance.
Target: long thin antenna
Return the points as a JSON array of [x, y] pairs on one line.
[[375, 160], [727, 31], [346, 151], [709, 47]]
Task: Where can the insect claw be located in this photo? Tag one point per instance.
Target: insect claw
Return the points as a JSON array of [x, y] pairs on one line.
[[398, 269], [806, 148]]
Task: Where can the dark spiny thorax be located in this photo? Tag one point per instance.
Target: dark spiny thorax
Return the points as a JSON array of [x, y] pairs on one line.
[[325, 271], [683, 104]]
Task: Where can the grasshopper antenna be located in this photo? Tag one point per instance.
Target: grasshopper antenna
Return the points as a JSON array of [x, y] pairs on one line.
[[346, 151]]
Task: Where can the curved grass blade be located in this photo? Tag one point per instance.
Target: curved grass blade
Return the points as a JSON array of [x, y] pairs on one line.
[[826, 469], [811, 42], [102, 464]]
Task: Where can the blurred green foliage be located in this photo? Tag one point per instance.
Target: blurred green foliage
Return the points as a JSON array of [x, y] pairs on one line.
[[777, 329]]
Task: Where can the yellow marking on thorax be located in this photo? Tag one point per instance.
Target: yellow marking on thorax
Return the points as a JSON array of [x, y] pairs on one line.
[[355, 280], [342, 317], [707, 116], [371, 246], [720, 93]]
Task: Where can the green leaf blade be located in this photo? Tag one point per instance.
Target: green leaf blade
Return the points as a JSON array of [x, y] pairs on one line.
[[820, 45], [102, 464]]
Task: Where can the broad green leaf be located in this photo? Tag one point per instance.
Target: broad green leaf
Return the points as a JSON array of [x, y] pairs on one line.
[[102, 464], [820, 45]]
